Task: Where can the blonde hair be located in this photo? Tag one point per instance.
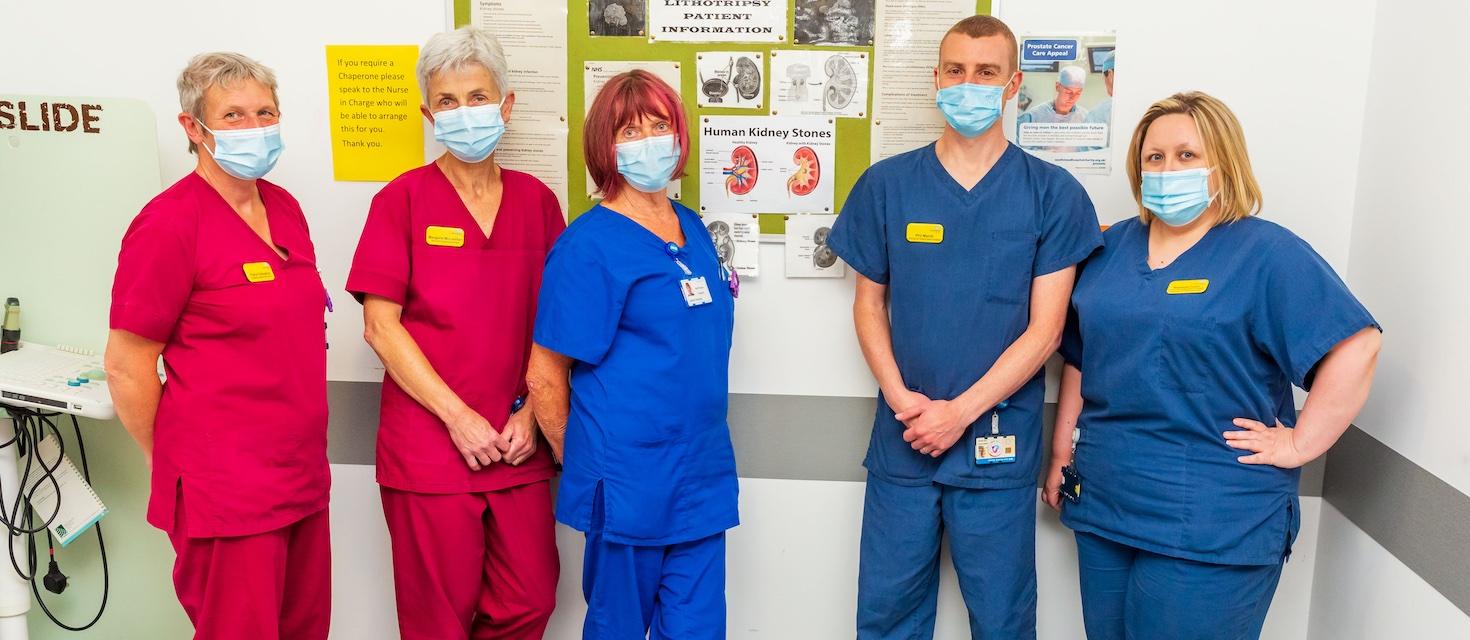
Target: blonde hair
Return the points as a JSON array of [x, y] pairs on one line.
[[1220, 132], [220, 68]]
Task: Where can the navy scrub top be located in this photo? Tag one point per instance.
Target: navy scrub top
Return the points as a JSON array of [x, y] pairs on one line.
[[1169, 357], [648, 459], [956, 305]]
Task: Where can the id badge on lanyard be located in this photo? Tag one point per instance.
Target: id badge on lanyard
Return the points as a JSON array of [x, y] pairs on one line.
[[1071, 480], [995, 448], [694, 288]]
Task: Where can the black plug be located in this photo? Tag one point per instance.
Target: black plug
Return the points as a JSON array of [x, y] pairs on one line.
[[55, 580]]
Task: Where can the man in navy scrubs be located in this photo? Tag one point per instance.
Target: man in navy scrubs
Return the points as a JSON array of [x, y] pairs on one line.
[[965, 252]]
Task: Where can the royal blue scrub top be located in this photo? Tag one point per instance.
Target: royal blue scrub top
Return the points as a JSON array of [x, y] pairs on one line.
[[955, 305], [648, 459], [1169, 358]]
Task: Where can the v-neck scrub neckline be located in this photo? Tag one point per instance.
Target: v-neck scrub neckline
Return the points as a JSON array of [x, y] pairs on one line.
[[930, 154], [271, 216], [1201, 246], [648, 233], [486, 240]]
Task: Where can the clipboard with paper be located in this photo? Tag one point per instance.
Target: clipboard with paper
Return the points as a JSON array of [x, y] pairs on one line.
[[65, 493]]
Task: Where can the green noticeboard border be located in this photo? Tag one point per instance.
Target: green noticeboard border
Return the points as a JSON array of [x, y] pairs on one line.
[[853, 137]]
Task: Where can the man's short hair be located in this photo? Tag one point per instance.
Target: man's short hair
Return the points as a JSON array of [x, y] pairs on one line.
[[980, 26]]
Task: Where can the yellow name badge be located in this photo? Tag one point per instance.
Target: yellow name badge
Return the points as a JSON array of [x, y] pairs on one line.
[[925, 232], [259, 272], [1188, 286], [444, 236]]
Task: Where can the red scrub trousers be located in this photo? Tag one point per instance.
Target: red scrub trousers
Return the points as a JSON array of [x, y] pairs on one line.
[[473, 565], [275, 585]]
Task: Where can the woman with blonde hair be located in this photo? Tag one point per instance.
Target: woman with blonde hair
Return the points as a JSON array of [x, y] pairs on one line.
[[218, 275], [1178, 446]]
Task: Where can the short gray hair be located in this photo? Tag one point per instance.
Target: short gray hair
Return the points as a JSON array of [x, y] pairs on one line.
[[455, 50], [220, 68]]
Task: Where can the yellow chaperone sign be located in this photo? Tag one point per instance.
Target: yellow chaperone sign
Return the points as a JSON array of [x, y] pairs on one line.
[[373, 97]]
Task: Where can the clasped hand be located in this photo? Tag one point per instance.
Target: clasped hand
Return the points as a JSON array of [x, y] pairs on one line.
[[931, 427]]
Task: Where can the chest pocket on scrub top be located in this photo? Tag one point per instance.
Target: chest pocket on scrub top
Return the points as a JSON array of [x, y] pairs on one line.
[[238, 307], [1187, 351], [1009, 258]]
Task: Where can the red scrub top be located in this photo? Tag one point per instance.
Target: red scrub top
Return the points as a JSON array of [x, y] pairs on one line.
[[241, 428], [469, 302]]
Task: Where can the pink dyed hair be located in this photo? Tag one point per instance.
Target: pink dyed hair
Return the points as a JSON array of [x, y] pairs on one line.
[[621, 102]]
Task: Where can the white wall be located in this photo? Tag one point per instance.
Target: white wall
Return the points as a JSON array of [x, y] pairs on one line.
[[1409, 264], [1362, 592], [1409, 269], [792, 568]]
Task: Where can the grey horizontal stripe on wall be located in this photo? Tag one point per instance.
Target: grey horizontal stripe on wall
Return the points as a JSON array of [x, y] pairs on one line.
[[775, 436], [352, 429], [1419, 518]]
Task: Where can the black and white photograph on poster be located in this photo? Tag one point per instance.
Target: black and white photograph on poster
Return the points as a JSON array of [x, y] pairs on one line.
[[596, 73], [717, 20], [833, 22], [731, 79], [766, 164], [737, 239], [615, 17], [819, 83], [807, 253], [1065, 104]]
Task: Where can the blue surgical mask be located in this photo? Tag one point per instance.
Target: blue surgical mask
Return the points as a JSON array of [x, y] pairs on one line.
[[470, 133], [971, 108], [1176, 197], [247, 154], [648, 164]]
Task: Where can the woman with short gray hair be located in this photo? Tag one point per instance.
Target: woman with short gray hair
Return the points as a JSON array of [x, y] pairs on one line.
[[448, 270], [218, 275]]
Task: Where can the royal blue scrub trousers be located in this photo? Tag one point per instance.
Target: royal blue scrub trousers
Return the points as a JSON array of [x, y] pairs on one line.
[[1133, 594], [673, 592], [992, 538]]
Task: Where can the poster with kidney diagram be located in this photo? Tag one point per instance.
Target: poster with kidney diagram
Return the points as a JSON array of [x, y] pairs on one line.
[[766, 164], [730, 79], [807, 253], [819, 83], [737, 239]]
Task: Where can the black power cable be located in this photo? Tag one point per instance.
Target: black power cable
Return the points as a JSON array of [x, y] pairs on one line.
[[31, 427]]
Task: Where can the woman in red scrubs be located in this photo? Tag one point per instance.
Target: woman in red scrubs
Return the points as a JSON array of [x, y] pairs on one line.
[[448, 270], [218, 275]]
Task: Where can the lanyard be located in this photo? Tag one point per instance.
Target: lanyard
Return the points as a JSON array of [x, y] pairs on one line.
[[326, 293], [995, 416], [673, 251], [727, 275]]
